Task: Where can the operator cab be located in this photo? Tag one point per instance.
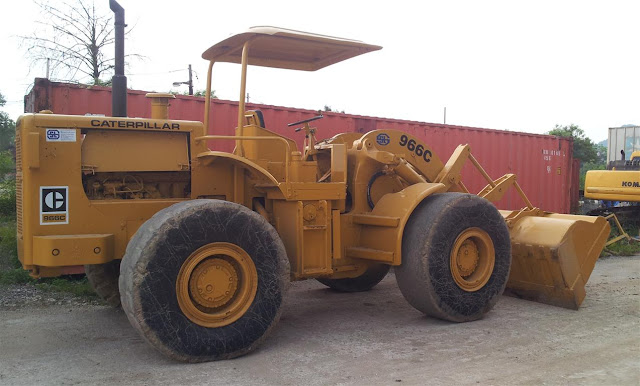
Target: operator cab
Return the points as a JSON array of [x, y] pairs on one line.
[[278, 48], [286, 49]]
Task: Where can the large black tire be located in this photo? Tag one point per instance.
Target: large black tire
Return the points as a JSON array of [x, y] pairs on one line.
[[153, 262], [369, 279], [103, 278], [426, 276]]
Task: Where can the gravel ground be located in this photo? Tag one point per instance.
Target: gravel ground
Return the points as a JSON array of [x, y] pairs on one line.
[[14, 297], [372, 338]]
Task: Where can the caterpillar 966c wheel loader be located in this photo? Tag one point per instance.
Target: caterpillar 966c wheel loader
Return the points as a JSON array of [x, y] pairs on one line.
[[207, 241]]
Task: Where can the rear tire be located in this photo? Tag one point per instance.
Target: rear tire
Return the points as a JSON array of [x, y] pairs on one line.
[[103, 278], [369, 279], [456, 257], [204, 280]]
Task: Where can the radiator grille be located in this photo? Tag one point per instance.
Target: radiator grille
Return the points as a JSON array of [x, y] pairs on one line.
[[18, 181]]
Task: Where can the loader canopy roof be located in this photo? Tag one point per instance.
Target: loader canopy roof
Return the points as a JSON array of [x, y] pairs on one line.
[[289, 49]]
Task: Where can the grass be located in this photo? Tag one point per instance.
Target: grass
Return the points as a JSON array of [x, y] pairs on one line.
[[11, 271], [15, 276], [77, 286], [624, 247]]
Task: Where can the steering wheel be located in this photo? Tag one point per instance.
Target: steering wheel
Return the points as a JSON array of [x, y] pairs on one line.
[[305, 121]]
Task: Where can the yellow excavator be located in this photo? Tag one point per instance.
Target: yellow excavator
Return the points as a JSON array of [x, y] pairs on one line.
[[618, 187]]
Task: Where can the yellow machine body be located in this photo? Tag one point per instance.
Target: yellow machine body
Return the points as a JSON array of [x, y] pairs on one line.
[[617, 184], [86, 184]]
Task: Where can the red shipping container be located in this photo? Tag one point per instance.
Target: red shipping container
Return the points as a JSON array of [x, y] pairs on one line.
[[543, 163]]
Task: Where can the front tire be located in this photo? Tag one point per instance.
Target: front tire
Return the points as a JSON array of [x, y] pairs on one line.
[[204, 280], [456, 257]]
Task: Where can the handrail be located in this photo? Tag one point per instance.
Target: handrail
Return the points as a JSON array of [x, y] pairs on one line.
[[256, 138]]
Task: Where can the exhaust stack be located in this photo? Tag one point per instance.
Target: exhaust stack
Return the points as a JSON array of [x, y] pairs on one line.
[[119, 81]]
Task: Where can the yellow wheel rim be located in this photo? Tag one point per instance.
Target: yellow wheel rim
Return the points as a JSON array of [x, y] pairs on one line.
[[216, 284], [472, 259]]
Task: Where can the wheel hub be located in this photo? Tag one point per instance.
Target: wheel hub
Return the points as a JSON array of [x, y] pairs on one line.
[[472, 259], [213, 283], [467, 257], [216, 284]]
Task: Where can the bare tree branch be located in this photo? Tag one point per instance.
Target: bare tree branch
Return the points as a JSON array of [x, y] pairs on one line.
[[74, 36]]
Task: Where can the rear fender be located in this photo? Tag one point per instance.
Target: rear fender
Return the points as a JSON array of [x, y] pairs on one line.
[[218, 159], [208, 158]]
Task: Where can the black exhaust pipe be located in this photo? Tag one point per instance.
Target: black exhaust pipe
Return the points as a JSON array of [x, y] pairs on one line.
[[119, 81]]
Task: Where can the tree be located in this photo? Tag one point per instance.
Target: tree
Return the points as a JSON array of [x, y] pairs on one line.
[[592, 156], [328, 108], [76, 38], [583, 148], [7, 164], [198, 93], [7, 130]]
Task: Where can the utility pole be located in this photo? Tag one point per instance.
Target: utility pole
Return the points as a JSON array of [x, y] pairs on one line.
[[445, 115], [247, 97], [190, 82]]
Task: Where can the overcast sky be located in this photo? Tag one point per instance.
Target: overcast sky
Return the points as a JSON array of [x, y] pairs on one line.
[[506, 65]]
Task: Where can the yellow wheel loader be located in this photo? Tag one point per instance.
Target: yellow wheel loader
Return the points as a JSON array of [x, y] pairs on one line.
[[208, 241]]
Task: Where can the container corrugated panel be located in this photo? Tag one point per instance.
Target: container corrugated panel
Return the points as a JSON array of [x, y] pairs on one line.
[[625, 138], [543, 163]]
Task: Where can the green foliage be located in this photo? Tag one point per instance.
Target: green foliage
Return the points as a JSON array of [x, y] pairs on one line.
[[583, 148], [7, 185], [624, 247], [203, 93], [72, 285], [197, 93], [330, 109], [7, 127], [100, 82], [7, 163], [592, 156], [586, 166], [8, 245], [15, 276], [79, 287]]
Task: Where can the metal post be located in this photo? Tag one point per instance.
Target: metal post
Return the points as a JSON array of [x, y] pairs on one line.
[[190, 82], [207, 99], [241, 103]]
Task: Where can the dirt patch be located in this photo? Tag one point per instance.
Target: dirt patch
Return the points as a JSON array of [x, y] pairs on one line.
[[372, 338]]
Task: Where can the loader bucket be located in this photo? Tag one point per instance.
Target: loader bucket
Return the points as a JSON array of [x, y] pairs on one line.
[[553, 257]]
